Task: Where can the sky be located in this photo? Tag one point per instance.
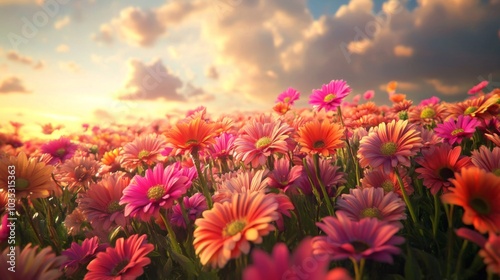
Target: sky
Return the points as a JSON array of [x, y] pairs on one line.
[[88, 61]]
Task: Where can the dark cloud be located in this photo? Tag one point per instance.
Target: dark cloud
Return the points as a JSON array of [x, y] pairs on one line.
[[12, 85]]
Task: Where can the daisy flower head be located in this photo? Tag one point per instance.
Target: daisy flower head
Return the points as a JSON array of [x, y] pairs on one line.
[[330, 95], [329, 175], [32, 263], [389, 145], [126, 260], [487, 159], [439, 164], [372, 203], [142, 151], [477, 88], [191, 135], [223, 146], [193, 205], [368, 238], [79, 256], [377, 178], [281, 265], [454, 131], [289, 96], [259, 140], [32, 179], [478, 193], [60, 149], [226, 230], [100, 204], [284, 175], [281, 108], [78, 172], [490, 248], [324, 137], [241, 182], [369, 94], [427, 115], [159, 188]]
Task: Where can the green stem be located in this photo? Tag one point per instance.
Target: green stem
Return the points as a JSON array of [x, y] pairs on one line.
[[358, 268], [436, 216], [322, 186], [459, 260], [204, 187], [405, 197], [171, 234], [349, 148]]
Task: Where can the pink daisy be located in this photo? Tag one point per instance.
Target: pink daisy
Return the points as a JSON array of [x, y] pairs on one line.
[[429, 101], [330, 95], [439, 165], [377, 178], [60, 149], [289, 96], [124, 261], [329, 175], [453, 131], [389, 145], [242, 182], [261, 140], [159, 188], [301, 265], [194, 207], [4, 229], [283, 175], [477, 88], [369, 94], [100, 204], [143, 151], [79, 256], [368, 238], [487, 159], [372, 203], [78, 173], [223, 147]]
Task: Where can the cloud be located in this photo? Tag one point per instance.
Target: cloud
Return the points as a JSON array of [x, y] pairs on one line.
[[105, 34], [150, 82], [62, 48], [70, 66], [212, 73], [26, 60], [20, 2], [12, 85], [444, 89], [62, 22], [403, 51]]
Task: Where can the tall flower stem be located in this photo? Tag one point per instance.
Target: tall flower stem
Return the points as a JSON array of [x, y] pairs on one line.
[[405, 197], [171, 234], [358, 268], [435, 221], [349, 147], [204, 187], [326, 197]]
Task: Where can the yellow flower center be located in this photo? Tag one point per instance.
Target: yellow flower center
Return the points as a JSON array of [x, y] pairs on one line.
[[114, 206], [427, 113], [371, 213], [263, 142], [387, 185], [22, 183], [457, 131], [191, 142], [319, 144], [142, 154], [403, 115], [234, 227], [60, 151], [286, 99], [470, 110], [388, 149], [329, 97], [480, 205], [156, 192]]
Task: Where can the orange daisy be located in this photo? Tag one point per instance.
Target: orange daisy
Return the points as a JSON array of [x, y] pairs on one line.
[[32, 178], [193, 135], [478, 192], [320, 137], [226, 230]]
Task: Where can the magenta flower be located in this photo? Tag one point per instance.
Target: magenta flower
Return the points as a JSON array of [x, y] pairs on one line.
[[289, 96], [283, 176], [124, 261], [329, 174], [372, 203], [477, 88], [79, 256], [330, 95], [280, 265], [223, 147], [369, 94], [4, 230], [60, 149], [159, 188], [368, 238], [453, 131], [429, 101], [194, 206]]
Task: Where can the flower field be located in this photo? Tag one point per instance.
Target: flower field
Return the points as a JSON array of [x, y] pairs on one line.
[[338, 190]]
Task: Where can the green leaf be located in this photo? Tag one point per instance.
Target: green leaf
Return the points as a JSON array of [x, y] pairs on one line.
[[412, 268], [185, 263]]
